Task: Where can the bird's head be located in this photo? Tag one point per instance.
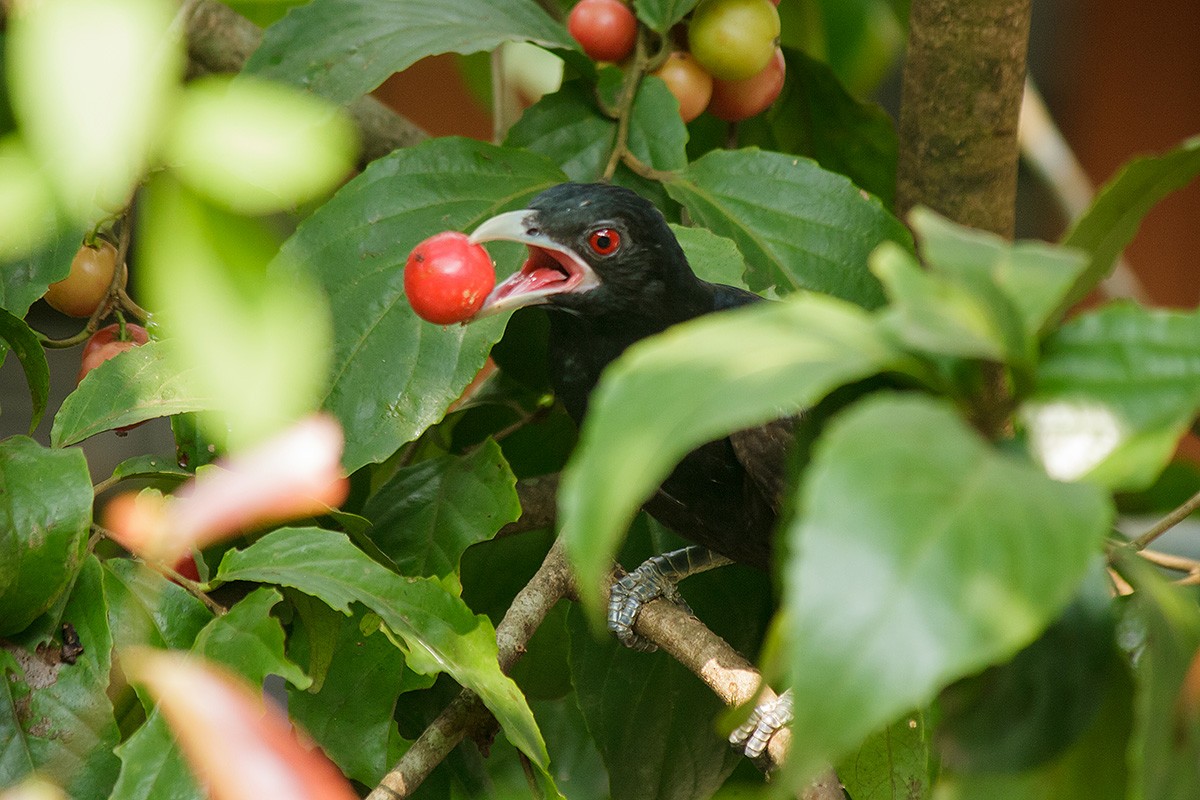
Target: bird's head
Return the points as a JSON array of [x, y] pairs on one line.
[[593, 249]]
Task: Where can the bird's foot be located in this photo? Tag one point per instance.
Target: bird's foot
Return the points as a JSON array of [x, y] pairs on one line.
[[652, 580], [755, 733]]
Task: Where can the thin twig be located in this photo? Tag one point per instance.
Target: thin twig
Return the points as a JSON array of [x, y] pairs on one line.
[[1171, 561], [1166, 523], [629, 87]]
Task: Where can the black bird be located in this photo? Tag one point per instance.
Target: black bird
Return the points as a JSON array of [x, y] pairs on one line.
[[609, 271]]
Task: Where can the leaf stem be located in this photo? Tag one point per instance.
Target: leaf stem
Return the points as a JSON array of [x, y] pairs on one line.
[[1166, 523], [629, 87]]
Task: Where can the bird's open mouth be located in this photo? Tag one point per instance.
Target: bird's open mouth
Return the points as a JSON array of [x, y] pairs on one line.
[[549, 269]]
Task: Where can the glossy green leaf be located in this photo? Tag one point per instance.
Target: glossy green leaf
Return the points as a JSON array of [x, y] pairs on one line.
[[148, 466], [1034, 276], [249, 641], [799, 226], [141, 383], [393, 374], [62, 721], [429, 513], [144, 608], [713, 258], [922, 556], [257, 147], [1116, 389], [24, 277], [341, 49], [45, 512], [660, 15], [152, 766], [695, 383], [62, 58], [439, 631], [258, 343], [896, 763], [1120, 206], [17, 335], [816, 117], [351, 717]]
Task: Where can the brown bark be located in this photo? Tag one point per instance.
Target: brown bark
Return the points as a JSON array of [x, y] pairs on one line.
[[963, 79]]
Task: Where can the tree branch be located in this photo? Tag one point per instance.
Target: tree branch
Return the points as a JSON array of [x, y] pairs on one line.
[[678, 633], [221, 40], [961, 98]]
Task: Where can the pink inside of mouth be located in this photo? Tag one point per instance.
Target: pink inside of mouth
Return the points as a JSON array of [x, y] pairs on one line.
[[540, 270]]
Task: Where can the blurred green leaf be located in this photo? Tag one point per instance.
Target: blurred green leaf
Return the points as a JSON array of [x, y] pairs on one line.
[[257, 147], [1115, 390], [394, 374], [862, 39], [17, 335], [921, 557], [439, 631], [62, 721], [721, 373], [27, 210], [799, 226], [65, 59], [1034, 276], [429, 513], [44, 519], [1115, 215], [258, 344], [1021, 714], [341, 49], [351, 715], [660, 15], [140, 383]]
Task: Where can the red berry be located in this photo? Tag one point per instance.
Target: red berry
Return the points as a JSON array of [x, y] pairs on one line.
[[688, 81], [447, 278], [104, 345], [605, 29], [738, 100]]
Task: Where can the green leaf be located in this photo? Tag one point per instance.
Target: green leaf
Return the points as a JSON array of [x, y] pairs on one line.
[[258, 343], [429, 513], [351, 717], [248, 640], [1117, 212], [1021, 714], [148, 466], [568, 128], [660, 15], [816, 117], [62, 719], [393, 374], [340, 49], [1116, 389], [45, 512], [138, 384], [152, 766], [20, 338], [799, 226], [698, 382], [713, 258], [439, 631], [61, 60], [895, 763], [144, 608], [1034, 276], [25, 276], [922, 556], [257, 147]]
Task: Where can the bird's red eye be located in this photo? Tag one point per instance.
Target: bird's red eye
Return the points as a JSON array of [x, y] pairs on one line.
[[604, 242]]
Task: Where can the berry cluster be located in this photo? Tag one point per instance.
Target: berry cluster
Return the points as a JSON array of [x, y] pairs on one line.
[[731, 66]]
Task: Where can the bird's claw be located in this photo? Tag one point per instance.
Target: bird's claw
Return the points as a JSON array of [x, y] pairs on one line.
[[633, 591], [755, 733]]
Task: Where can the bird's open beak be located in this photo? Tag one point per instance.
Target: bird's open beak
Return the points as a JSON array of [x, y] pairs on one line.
[[550, 268]]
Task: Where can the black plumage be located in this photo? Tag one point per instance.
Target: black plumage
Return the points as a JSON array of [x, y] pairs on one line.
[[609, 271]]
